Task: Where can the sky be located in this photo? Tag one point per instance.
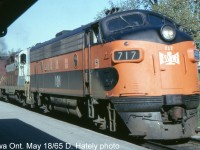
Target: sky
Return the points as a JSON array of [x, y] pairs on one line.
[[47, 17]]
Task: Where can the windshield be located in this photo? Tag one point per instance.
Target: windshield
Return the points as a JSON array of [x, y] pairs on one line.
[[156, 20], [123, 22]]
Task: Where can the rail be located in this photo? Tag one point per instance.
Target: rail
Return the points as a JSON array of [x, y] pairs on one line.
[[156, 146], [191, 144]]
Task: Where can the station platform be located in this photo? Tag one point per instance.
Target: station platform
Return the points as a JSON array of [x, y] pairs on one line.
[[197, 136], [24, 129]]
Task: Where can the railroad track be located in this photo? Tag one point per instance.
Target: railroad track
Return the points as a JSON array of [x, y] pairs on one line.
[[156, 146], [191, 144]]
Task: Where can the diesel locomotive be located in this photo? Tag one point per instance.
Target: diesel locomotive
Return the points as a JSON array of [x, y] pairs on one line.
[[134, 68]]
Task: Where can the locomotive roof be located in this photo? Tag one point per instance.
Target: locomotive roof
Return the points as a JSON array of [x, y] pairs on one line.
[[64, 35], [139, 11], [86, 27], [132, 11]]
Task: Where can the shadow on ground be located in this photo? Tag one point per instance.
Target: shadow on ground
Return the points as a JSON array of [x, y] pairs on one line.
[[15, 134]]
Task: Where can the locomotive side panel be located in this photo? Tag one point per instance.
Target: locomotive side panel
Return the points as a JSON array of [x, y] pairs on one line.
[[103, 76], [56, 66], [11, 75], [60, 75]]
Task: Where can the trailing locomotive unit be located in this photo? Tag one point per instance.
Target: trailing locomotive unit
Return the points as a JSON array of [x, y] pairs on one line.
[[134, 67], [16, 78], [2, 71]]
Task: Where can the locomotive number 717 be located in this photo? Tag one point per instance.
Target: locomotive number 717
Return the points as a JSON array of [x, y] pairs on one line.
[[126, 55]]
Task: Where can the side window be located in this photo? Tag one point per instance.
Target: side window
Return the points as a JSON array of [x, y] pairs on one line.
[[23, 58], [95, 34], [94, 37]]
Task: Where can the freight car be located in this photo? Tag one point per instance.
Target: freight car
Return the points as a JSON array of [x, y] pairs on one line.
[[134, 68]]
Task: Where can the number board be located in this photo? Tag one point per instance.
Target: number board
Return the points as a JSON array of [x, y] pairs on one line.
[[127, 55]]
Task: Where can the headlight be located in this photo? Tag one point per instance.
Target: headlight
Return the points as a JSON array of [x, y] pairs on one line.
[[168, 32]]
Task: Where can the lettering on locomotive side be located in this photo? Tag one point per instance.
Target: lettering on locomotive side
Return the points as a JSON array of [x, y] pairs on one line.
[[57, 81], [169, 58]]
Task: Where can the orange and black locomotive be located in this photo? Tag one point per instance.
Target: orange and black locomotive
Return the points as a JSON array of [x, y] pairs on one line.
[[133, 68]]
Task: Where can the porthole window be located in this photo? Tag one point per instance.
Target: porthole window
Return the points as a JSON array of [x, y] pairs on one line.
[[75, 60]]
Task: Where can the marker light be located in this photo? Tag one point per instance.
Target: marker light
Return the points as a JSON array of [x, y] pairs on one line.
[[193, 55], [168, 32], [196, 55]]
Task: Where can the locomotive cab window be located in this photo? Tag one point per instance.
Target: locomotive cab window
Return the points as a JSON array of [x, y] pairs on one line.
[[23, 59], [95, 35], [123, 22]]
